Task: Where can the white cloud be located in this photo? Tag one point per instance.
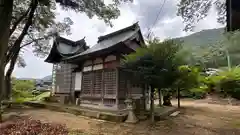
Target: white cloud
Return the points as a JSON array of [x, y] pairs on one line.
[[168, 26], [36, 67]]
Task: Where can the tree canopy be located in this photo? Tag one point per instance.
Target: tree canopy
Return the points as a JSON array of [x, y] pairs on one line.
[[192, 11], [155, 63]]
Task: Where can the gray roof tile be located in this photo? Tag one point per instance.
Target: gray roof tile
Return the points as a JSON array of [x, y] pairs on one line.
[[108, 42]]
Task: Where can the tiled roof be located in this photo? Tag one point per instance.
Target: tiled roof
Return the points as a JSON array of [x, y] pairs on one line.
[[64, 48], [111, 39]]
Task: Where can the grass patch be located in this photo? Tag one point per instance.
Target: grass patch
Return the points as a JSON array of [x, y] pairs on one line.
[[39, 97], [77, 132], [236, 124], [42, 96]]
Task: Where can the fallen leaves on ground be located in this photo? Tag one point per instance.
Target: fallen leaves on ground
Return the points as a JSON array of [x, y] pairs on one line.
[[28, 126]]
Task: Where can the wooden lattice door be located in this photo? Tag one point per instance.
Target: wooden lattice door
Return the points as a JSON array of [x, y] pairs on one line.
[[110, 82], [97, 84], [87, 83]]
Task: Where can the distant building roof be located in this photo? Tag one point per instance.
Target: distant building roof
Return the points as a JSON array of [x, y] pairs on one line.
[[63, 47], [112, 39]]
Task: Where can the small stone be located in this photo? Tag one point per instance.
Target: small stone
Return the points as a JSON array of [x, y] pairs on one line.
[[189, 126], [175, 114]]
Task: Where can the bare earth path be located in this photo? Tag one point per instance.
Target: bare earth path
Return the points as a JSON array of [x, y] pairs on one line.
[[195, 119]]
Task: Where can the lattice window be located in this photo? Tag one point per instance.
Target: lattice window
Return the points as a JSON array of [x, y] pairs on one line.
[[110, 82], [98, 82], [96, 101], [109, 102], [87, 83]]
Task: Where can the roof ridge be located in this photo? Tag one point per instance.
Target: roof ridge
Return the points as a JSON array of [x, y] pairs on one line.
[[131, 27], [70, 42]]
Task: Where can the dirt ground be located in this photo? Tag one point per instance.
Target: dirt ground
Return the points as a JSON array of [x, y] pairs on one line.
[[195, 119]]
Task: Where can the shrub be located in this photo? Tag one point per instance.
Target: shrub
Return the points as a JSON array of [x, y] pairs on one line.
[[22, 89], [226, 82], [230, 87], [190, 81], [200, 92]]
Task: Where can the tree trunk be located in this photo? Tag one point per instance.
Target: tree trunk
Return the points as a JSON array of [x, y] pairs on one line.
[[1, 111], [14, 52], [6, 7], [152, 102], [178, 96], [159, 97], [167, 100], [9, 74]]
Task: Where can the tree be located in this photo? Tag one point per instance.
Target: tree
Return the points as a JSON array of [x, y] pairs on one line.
[[189, 78], [5, 12], [192, 11], [155, 65], [30, 24]]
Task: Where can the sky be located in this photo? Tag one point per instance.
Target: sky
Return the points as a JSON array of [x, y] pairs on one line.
[[169, 25]]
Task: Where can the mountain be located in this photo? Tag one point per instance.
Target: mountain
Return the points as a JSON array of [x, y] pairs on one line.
[[47, 78], [204, 37], [25, 78]]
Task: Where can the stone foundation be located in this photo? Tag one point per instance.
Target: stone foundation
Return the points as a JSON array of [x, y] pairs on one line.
[[92, 113]]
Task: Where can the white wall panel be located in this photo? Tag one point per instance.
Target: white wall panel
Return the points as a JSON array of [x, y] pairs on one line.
[[110, 58], [98, 66], [78, 80], [88, 68]]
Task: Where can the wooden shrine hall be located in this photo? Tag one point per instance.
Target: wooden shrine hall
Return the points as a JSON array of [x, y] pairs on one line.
[[93, 75]]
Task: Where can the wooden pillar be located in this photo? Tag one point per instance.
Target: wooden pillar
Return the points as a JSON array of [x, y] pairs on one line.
[[103, 89], [72, 98], [117, 86], [129, 88], [229, 14], [144, 96], [93, 80]]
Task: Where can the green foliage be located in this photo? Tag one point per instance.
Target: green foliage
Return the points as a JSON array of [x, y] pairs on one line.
[[43, 27], [195, 85], [43, 96], [198, 92], [189, 77], [22, 88], [190, 82], [229, 82], [155, 64], [98, 8]]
